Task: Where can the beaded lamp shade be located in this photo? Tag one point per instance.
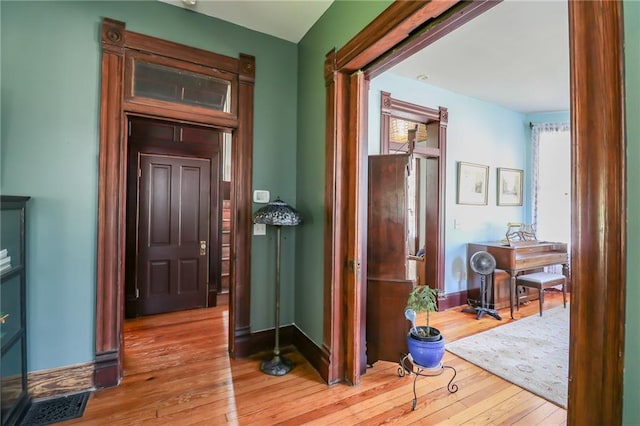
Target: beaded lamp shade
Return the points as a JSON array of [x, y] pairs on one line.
[[277, 213]]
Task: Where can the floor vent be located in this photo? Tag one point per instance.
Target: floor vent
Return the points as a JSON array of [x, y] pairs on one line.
[[54, 410]]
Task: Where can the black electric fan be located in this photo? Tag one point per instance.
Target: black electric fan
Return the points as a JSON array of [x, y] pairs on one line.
[[483, 263]]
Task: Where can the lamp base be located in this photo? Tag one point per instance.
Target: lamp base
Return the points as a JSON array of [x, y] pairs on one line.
[[277, 366]]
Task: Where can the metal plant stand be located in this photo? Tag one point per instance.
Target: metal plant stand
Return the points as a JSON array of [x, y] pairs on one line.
[[407, 366]]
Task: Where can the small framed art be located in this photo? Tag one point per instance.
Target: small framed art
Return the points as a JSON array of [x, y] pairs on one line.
[[509, 187], [472, 183]]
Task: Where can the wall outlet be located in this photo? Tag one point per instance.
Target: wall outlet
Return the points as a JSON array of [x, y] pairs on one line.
[[259, 229], [261, 196]]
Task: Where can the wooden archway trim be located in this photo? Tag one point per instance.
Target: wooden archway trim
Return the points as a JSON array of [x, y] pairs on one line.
[[110, 276], [345, 136], [598, 223], [599, 196]]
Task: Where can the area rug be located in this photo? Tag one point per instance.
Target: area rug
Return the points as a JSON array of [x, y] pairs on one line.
[[532, 353]]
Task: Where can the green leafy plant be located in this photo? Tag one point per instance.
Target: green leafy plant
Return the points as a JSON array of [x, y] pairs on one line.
[[423, 299]]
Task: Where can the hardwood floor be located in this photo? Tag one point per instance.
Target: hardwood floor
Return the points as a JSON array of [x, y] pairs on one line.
[[177, 372]]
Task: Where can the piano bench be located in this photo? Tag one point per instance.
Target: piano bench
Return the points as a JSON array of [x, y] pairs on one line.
[[542, 281]]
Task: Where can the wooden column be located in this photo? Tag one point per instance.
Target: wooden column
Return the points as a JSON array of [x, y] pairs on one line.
[[598, 257], [111, 211], [242, 170], [333, 359]]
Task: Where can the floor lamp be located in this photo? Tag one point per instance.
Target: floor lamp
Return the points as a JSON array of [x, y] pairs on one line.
[[277, 213]]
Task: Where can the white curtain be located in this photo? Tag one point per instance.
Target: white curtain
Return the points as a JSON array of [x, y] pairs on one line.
[[551, 144]]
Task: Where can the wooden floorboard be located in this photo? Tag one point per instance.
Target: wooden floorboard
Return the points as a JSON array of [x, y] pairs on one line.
[[178, 372]]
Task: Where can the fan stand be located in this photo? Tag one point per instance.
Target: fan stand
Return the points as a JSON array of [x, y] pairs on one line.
[[482, 309]]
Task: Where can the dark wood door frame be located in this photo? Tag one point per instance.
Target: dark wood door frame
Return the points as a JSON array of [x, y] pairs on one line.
[[435, 201], [598, 176], [112, 179]]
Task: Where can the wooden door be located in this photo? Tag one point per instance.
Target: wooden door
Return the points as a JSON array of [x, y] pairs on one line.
[[173, 230]]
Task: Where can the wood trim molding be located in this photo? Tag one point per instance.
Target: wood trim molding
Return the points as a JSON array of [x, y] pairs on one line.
[[429, 32], [435, 194], [290, 335], [452, 300], [393, 25], [356, 275], [111, 227], [334, 247], [262, 341], [240, 265], [61, 381], [110, 277], [598, 254], [598, 245], [310, 351]]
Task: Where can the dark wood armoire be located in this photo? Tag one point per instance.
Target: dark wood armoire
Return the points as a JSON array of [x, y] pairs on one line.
[[388, 284]]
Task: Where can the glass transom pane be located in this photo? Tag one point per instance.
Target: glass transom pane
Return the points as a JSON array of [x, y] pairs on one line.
[[426, 134], [185, 87]]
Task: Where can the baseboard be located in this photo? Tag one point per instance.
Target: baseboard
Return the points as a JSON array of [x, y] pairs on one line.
[[263, 341], [315, 355], [242, 340], [106, 373], [292, 336], [452, 300], [60, 381]]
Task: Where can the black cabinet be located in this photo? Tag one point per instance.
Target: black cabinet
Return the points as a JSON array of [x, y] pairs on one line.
[[13, 337]]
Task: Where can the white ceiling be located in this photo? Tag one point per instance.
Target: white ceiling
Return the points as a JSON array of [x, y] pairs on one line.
[[515, 55], [289, 19]]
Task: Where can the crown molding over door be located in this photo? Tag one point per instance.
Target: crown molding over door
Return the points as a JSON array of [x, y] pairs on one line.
[[598, 142], [117, 101]]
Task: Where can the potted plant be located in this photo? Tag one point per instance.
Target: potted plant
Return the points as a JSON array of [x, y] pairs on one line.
[[425, 343]]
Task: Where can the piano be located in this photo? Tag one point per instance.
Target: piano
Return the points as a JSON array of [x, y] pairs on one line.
[[520, 257]]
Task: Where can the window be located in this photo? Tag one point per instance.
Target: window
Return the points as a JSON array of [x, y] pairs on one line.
[[552, 181]]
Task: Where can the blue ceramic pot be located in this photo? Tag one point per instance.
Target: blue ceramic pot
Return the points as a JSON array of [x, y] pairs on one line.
[[427, 354]]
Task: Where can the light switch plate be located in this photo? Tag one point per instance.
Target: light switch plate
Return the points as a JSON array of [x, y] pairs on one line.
[[259, 229], [261, 196]]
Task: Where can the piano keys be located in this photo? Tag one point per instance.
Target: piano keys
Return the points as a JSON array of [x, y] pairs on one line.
[[518, 258]]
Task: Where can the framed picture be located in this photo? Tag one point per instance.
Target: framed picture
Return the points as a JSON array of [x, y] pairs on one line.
[[472, 183], [509, 187]]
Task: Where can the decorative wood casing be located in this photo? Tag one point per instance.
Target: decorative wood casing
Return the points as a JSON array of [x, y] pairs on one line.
[[435, 181], [598, 246], [110, 279], [599, 200]]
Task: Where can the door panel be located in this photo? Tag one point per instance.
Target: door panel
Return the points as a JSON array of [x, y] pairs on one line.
[[173, 220]]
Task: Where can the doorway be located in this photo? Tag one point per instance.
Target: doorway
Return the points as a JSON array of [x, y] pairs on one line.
[[598, 240], [231, 79], [174, 209]]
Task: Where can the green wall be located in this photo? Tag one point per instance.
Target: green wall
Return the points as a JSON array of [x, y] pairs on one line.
[[49, 150], [342, 21], [632, 341], [50, 70]]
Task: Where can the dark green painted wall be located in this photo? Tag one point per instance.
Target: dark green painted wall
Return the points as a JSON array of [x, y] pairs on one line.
[[50, 80], [632, 341], [49, 150], [341, 22]]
